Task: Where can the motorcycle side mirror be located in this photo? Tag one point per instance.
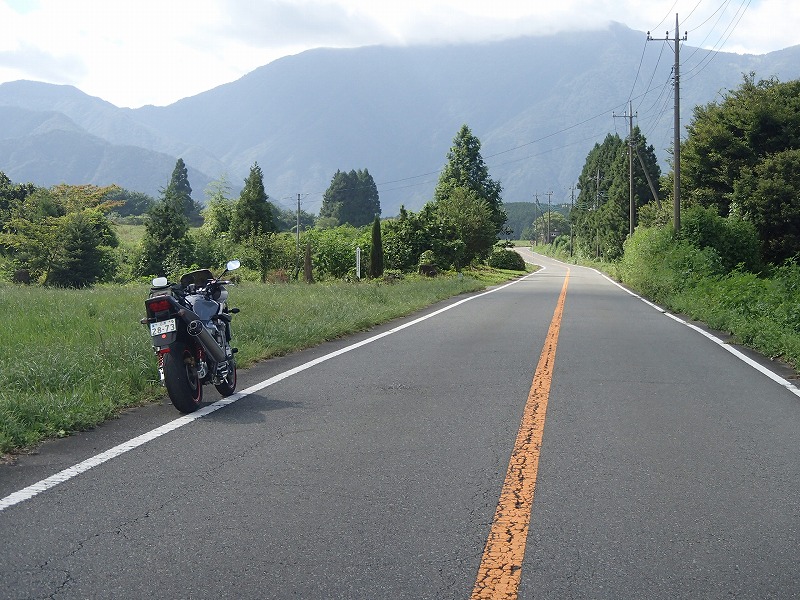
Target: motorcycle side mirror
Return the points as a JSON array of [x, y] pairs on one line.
[[160, 282], [233, 265]]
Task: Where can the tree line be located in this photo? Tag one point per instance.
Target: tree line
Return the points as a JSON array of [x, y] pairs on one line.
[[740, 180], [64, 235], [740, 172]]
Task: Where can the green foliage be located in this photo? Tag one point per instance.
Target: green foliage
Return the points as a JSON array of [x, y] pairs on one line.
[[458, 229], [466, 169], [11, 193], [267, 253], [506, 259], [768, 195], [166, 247], [472, 220], [594, 217], [659, 265], [725, 138], [376, 250], [132, 203], [218, 213], [553, 222], [179, 192], [427, 258], [11, 196], [60, 236], [761, 312], [519, 216], [83, 254], [742, 157], [286, 219], [601, 218], [404, 239], [735, 240], [352, 198], [334, 250], [252, 213], [85, 356]]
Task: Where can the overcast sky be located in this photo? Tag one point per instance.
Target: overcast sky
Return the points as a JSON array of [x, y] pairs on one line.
[[137, 52]]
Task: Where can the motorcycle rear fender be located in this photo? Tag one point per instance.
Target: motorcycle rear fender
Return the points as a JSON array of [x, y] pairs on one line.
[[165, 339]]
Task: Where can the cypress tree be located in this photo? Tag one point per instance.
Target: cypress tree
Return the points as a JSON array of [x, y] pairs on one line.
[[252, 213], [179, 192], [376, 250]]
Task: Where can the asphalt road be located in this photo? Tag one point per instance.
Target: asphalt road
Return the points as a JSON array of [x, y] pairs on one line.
[[668, 468]]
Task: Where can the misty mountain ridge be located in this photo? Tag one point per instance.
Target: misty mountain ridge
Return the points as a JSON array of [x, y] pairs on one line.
[[538, 105]]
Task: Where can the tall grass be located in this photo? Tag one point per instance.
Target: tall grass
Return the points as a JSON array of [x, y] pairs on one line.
[[73, 358], [761, 311]]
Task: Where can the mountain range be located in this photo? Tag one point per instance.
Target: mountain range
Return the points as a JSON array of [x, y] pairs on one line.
[[537, 104]]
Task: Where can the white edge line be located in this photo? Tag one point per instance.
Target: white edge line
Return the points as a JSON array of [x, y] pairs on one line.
[[45, 484], [737, 353]]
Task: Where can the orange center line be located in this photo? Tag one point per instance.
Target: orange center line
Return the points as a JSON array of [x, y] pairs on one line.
[[501, 565]]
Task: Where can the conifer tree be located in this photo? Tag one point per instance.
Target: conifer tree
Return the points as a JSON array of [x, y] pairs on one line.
[[376, 250], [466, 169], [352, 198], [252, 212], [179, 192], [165, 245]]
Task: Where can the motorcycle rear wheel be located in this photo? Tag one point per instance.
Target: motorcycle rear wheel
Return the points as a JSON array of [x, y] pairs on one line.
[[181, 378], [228, 385]]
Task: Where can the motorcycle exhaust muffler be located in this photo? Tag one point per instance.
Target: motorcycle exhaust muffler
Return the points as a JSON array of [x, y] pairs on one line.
[[194, 327]]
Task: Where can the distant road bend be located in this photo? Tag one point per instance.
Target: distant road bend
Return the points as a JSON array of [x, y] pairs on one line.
[[556, 437]]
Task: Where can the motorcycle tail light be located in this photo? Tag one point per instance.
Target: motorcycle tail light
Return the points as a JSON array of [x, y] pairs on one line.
[[158, 305]]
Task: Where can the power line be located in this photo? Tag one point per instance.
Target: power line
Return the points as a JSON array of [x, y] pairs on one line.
[[677, 122], [660, 112], [715, 51]]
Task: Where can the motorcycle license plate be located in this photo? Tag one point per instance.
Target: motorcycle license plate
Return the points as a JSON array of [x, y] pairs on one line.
[[162, 327]]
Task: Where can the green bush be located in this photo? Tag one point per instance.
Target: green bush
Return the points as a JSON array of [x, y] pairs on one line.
[[334, 250], [658, 265], [506, 259], [427, 258], [762, 311], [735, 240]]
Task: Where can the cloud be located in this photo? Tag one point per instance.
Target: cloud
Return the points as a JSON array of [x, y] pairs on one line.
[[152, 51], [32, 62], [291, 22]]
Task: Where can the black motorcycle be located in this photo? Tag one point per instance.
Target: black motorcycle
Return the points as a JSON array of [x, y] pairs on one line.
[[190, 324]]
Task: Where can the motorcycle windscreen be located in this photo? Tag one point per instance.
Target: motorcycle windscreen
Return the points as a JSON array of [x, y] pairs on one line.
[[199, 278], [205, 309]]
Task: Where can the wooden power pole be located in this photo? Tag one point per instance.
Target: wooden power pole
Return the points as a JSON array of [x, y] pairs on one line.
[[677, 121]]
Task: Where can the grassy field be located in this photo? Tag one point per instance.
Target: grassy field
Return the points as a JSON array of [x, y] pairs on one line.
[[73, 358], [129, 235]]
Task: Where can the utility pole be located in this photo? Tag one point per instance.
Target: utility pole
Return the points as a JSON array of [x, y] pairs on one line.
[[571, 228], [597, 207], [632, 211], [677, 121], [297, 266], [549, 241]]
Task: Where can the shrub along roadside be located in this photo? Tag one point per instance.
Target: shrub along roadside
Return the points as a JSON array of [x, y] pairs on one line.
[[73, 358], [761, 312]]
